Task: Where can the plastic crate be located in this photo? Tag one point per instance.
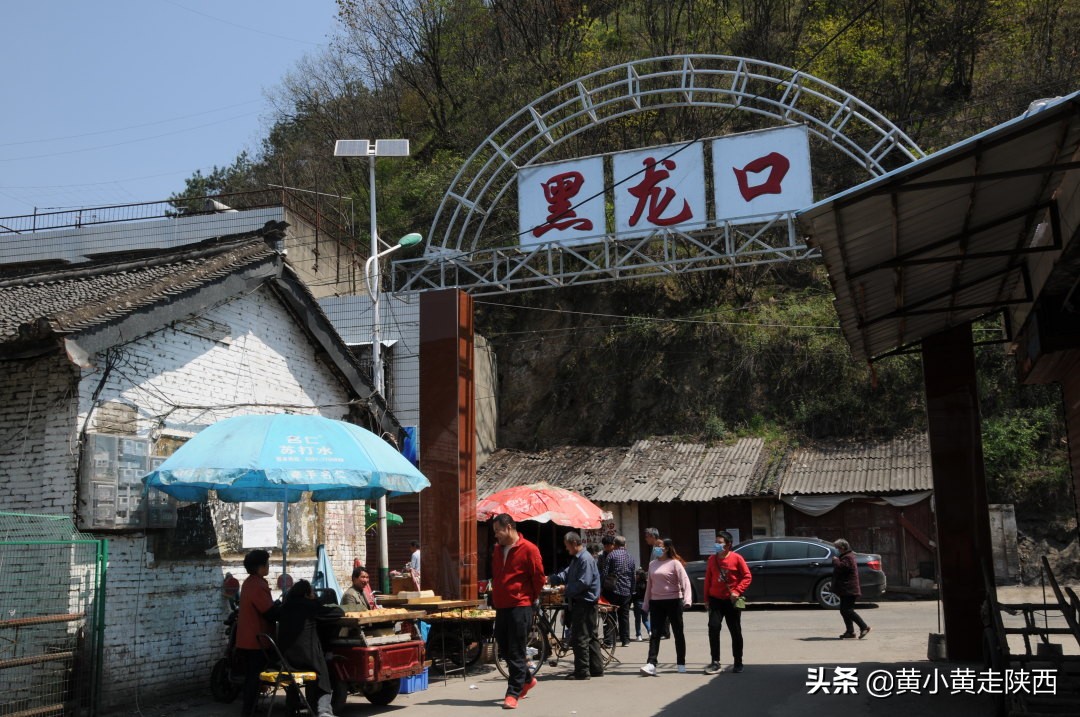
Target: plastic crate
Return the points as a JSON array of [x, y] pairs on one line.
[[414, 683]]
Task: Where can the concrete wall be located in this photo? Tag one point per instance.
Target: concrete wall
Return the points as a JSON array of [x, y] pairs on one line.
[[399, 319], [163, 618], [487, 399], [325, 264], [1006, 553], [77, 244]]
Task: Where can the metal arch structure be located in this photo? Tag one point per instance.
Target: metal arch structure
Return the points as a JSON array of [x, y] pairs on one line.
[[457, 254]]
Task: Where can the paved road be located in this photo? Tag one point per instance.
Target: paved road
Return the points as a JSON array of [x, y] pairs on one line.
[[783, 643]]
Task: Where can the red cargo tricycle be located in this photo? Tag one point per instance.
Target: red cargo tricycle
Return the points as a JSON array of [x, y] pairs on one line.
[[374, 651]]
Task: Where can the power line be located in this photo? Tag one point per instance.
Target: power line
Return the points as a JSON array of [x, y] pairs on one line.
[[110, 181], [131, 141], [239, 26], [129, 127], [662, 319]]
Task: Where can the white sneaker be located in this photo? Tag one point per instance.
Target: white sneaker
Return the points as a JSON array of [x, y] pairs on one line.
[[648, 669], [682, 668]]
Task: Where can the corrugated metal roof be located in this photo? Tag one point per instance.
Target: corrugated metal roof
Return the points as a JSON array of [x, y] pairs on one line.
[[580, 469], [662, 470], [899, 465], [656, 470], [954, 236]]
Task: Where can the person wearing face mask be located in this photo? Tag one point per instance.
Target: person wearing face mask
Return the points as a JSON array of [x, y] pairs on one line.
[[652, 537], [726, 579], [667, 594]]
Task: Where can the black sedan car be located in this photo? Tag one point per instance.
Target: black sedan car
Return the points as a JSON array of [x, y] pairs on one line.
[[794, 570]]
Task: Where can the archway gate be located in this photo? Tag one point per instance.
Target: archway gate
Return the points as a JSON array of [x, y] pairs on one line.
[[460, 255]]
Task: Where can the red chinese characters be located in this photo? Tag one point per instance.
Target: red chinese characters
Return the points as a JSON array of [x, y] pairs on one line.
[[559, 192], [655, 198], [778, 166]]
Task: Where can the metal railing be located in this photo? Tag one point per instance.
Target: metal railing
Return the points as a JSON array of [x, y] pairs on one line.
[[319, 210]]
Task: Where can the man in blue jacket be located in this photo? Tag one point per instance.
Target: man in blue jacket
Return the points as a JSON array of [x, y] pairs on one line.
[[582, 581], [617, 585]]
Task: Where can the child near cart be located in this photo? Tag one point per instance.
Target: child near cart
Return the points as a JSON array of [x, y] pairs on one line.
[[641, 578]]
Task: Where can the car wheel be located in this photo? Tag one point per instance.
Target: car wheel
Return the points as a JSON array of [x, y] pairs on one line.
[[385, 694], [824, 596]]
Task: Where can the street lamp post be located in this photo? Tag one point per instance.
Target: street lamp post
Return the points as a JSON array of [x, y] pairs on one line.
[[371, 150]]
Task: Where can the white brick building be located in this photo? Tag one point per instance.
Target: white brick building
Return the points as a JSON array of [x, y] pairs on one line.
[[149, 350]]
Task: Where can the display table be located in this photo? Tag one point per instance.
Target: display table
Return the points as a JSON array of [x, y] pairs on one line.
[[372, 617], [459, 630], [430, 604]]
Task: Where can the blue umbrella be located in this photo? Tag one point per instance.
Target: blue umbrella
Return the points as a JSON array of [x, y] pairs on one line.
[[281, 457]]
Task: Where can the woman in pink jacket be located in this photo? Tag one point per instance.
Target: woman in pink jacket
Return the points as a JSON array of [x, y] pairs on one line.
[[667, 593]]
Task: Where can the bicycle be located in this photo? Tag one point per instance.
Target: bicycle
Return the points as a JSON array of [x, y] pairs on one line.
[[543, 643]]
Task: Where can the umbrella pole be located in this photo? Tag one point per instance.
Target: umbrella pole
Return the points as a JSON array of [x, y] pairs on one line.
[[285, 541]]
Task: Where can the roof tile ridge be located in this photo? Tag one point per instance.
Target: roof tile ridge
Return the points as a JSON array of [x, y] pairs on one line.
[[94, 268], [153, 291]]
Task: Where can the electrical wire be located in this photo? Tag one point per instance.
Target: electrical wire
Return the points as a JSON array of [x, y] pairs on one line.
[[664, 319], [126, 142], [125, 129], [239, 26]]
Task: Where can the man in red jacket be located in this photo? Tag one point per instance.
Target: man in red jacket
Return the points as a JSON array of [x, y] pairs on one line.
[[726, 578], [517, 576]]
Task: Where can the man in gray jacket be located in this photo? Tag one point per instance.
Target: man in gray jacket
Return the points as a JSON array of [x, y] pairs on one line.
[[582, 581]]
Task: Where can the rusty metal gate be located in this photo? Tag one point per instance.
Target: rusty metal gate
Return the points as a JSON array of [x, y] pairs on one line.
[[51, 617], [899, 535]]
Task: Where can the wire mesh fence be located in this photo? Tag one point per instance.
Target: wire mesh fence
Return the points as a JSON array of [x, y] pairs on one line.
[[50, 617]]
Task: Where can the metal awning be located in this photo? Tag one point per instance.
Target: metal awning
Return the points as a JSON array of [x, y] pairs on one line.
[[967, 231]]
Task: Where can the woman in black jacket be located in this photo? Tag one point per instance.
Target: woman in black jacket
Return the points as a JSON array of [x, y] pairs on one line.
[[845, 585], [298, 619]]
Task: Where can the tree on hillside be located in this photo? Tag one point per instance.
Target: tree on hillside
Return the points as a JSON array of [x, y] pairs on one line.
[[750, 349]]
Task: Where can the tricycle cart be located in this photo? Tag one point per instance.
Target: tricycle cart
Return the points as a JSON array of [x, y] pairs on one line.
[[373, 652]]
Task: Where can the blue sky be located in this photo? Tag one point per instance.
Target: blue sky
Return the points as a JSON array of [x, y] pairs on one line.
[[118, 101]]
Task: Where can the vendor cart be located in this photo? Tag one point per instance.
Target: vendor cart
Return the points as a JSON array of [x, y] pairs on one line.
[[459, 631], [373, 652]]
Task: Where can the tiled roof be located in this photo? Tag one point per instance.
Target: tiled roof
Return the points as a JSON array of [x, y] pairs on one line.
[[655, 470], [899, 465], [76, 298]]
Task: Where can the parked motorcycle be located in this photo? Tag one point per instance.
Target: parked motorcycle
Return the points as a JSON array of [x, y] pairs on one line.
[[227, 677]]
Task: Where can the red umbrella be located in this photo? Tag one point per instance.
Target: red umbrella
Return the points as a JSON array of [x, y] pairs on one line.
[[542, 502]]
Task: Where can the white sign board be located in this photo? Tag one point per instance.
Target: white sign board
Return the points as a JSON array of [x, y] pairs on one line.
[[659, 188], [706, 541], [562, 202], [762, 173], [259, 522], [706, 538]]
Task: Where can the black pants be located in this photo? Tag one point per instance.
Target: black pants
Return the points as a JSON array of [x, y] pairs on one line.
[[720, 611], [847, 611], [588, 659], [254, 662], [511, 636], [622, 603], [663, 613], [640, 617]]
